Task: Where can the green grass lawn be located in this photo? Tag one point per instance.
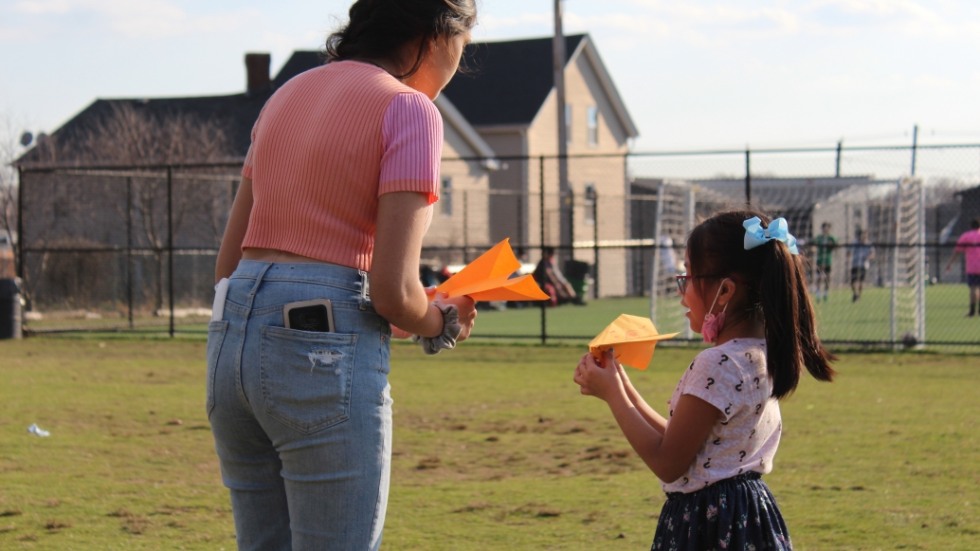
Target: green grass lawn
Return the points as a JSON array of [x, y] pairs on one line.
[[841, 322], [493, 449]]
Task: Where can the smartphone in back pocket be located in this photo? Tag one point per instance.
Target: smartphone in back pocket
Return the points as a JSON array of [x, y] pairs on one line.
[[309, 315]]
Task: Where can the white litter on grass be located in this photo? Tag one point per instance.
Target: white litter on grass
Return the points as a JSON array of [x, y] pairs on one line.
[[38, 431]]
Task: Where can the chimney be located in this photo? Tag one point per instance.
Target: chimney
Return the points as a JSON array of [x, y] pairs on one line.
[[257, 73]]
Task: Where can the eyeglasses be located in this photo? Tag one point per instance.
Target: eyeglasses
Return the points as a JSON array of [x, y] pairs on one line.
[[682, 280]]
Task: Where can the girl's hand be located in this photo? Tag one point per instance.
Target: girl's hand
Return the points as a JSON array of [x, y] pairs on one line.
[[600, 380]]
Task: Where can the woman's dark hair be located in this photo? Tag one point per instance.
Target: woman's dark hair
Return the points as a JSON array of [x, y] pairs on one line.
[[777, 289], [380, 28]]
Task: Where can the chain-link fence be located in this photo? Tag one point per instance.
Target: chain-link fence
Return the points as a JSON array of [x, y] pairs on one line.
[[133, 248]]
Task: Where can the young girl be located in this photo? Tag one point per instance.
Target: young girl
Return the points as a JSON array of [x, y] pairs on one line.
[[746, 293]]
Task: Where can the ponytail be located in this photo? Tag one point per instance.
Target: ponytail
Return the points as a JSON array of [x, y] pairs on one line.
[[787, 311]]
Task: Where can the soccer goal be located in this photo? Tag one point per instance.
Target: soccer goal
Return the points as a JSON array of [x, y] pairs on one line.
[[908, 264], [674, 220]]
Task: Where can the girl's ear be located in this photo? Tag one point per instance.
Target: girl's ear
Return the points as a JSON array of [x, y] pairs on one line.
[[726, 291]]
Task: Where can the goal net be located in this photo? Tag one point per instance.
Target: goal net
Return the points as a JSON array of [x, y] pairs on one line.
[[908, 264]]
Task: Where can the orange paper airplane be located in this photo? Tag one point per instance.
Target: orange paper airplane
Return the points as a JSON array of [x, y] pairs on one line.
[[488, 278], [632, 339]]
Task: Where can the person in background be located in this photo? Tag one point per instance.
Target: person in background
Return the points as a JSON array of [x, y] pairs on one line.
[[862, 253], [824, 244], [668, 258], [551, 280], [337, 193], [746, 293], [968, 245]]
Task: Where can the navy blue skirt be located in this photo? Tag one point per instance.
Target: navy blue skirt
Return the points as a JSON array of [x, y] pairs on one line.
[[738, 513]]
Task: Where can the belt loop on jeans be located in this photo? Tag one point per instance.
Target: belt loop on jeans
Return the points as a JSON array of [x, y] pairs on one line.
[[255, 286]]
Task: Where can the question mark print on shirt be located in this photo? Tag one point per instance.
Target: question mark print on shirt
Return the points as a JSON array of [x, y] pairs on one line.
[[711, 381], [741, 456], [738, 387], [756, 383], [707, 464], [724, 358], [758, 408], [748, 356], [728, 409]]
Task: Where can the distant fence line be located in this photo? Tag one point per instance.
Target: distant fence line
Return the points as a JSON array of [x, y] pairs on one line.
[[135, 245]]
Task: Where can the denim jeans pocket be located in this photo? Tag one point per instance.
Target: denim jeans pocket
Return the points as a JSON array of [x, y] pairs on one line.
[[307, 376], [216, 337]]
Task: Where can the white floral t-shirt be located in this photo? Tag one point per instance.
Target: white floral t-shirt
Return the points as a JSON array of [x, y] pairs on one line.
[[733, 378]]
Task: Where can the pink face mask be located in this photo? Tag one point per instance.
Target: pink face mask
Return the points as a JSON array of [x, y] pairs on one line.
[[713, 323]]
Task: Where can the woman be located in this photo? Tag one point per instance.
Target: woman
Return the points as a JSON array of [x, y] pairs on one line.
[[336, 196]]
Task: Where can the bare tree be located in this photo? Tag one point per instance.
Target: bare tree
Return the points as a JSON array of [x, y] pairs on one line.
[[134, 141], [8, 197]]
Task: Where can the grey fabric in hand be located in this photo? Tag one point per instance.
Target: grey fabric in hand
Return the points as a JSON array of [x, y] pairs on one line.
[[450, 331]]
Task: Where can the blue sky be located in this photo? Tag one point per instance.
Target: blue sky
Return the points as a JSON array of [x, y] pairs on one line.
[[694, 74]]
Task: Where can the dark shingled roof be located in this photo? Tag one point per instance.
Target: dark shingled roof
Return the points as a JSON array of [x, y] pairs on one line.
[[300, 61], [235, 114], [506, 82], [503, 83]]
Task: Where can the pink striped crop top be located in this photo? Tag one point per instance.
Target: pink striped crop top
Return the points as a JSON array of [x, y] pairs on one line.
[[326, 145]]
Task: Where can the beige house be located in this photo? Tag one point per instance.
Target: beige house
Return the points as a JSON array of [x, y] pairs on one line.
[[461, 216], [508, 94]]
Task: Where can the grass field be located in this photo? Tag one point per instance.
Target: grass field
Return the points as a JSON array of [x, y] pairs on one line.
[[840, 320], [494, 449]]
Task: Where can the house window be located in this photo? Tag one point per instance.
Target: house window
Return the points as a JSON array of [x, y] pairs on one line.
[[593, 125], [446, 197], [588, 204], [568, 123]]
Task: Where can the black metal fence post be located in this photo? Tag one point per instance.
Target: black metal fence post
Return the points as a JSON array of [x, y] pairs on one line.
[[129, 250], [840, 147], [170, 245], [544, 322], [18, 242], [594, 195], [748, 177]]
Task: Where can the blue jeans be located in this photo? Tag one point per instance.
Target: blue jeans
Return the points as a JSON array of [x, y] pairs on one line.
[[301, 420]]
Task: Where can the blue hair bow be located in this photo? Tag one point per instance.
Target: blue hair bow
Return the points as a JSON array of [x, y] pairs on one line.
[[778, 229]]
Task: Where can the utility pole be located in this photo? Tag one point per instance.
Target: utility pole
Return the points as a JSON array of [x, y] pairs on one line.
[[565, 212]]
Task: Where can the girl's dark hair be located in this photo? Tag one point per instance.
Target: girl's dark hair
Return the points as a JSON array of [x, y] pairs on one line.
[[380, 28], [777, 289]]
